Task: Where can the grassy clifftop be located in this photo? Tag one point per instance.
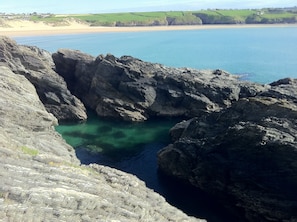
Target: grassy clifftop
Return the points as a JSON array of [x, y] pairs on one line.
[[260, 16]]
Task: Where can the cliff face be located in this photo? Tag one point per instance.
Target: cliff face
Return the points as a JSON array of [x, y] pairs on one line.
[[42, 180], [245, 155]]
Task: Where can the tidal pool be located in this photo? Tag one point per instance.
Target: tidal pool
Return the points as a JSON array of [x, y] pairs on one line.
[[132, 148]]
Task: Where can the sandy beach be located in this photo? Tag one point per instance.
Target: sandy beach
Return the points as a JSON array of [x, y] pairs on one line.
[[18, 28]]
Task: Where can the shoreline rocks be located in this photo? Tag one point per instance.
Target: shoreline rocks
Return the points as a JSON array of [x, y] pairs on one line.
[[237, 125], [129, 89], [245, 155], [37, 66], [42, 179], [238, 144]]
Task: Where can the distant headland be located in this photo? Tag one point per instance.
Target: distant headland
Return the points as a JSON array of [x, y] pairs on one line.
[[47, 23]]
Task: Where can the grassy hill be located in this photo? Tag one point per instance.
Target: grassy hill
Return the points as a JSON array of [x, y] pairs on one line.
[[262, 16]]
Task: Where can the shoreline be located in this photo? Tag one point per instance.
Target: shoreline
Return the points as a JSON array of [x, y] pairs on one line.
[[41, 29]]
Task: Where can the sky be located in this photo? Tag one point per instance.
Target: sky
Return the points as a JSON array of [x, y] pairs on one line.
[[106, 6]]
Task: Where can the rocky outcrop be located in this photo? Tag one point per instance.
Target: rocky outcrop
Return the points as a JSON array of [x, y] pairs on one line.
[[42, 180], [245, 155], [37, 66], [240, 146], [130, 89]]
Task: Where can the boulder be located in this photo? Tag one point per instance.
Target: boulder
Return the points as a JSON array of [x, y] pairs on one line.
[[42, 180], [244, 155], [130, 89], [38, 67]]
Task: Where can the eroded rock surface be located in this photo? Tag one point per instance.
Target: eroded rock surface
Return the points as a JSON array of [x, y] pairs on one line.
[[42, 180], [37, 66], [245, 155], [130, 89]]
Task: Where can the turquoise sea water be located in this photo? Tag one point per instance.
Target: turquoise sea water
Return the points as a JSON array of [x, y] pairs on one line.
[[259, 54], [262, 54]]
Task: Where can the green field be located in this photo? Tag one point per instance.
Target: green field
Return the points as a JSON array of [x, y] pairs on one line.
[[263, 16]]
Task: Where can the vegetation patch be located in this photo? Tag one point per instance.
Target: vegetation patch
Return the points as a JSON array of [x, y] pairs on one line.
[[29, 151]]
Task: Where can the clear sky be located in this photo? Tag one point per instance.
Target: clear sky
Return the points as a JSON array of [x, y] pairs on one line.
[[102, 6]]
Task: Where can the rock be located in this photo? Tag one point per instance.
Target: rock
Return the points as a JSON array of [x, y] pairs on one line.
[[130, 89], [244, 155], [37, 66], [24, 120], [42, 180], [240, 146]]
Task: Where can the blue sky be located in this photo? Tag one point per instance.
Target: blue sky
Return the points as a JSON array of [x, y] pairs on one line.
[[99, 6]]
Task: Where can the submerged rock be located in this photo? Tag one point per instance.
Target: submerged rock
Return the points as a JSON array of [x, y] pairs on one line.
[[245, 155], [37, 66], [42, 180], [130, 89]]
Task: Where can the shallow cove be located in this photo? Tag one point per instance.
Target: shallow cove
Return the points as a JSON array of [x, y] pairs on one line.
[[132, 148]]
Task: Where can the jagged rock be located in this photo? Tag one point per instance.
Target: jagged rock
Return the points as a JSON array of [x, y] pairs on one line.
[[42, 180], [37, 66], [240, 147], [245, 155], [130, 89]]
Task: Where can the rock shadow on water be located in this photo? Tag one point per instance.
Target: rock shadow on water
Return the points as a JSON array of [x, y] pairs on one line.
[[118, 135], [78, 134], [104, 129], [193, 201]]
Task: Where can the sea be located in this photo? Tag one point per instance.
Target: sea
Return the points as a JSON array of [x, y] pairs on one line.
[[260, 55]]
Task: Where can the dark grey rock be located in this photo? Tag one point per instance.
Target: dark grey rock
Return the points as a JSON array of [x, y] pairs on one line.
[[37, 66], [130, 89], [245, 155]]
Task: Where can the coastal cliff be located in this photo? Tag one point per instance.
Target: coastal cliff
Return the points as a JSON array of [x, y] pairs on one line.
[[238, 142], [41, 178]]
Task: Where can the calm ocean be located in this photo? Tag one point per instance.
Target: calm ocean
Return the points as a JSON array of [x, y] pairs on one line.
[[259, 54]]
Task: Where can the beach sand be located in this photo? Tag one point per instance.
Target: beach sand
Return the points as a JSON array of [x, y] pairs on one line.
[[19, 28]]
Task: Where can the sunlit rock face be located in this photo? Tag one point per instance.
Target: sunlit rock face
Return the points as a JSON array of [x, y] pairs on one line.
[[38, 67], [41, 178]]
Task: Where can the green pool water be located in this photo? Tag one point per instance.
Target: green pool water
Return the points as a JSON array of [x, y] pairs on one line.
[[115, 139], [133, 147]]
